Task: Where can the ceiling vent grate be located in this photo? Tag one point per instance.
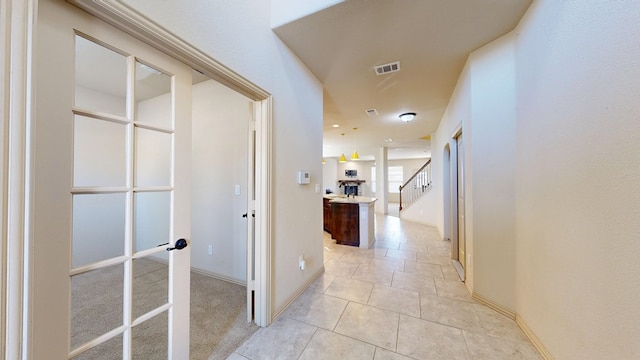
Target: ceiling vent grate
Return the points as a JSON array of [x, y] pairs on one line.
[[372, 112], [387, 68]]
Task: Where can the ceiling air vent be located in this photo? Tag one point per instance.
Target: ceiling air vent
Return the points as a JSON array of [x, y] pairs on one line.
[[388, 68], [372, 112]]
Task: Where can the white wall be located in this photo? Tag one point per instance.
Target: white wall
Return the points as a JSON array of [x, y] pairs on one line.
[[490, 175], [219, 163], [330, 175], [285, 11], [238, 34], [577, 176]]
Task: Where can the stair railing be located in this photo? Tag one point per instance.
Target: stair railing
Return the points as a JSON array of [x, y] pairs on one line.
[[418, 184]]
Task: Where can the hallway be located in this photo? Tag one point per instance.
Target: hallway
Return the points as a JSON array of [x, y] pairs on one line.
[[399, 300]]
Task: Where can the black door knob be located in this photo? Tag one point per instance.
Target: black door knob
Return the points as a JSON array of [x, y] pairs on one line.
[[179, 245]]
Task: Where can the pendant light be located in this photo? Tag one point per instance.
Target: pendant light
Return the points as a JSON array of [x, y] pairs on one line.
[[354, 156], [342, 159]]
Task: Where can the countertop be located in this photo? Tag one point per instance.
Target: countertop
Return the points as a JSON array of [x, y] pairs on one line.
[[349, 200]]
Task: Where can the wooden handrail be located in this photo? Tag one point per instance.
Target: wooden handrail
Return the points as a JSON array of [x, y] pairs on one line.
[[417, 189]]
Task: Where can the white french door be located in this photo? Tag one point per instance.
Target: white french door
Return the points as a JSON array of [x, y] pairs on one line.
[[111, 182]]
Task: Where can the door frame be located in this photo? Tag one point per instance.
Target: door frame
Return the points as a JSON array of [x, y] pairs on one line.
[[19, 22], [17, 54], [452, 200]]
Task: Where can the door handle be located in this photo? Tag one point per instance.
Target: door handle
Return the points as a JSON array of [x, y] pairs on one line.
[[252, 215], [179, 245]]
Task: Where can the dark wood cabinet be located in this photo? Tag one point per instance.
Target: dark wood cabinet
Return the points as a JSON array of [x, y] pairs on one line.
[[326, 211], [344, 223]]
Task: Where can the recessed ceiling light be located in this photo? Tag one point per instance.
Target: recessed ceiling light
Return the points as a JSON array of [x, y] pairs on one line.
[[335, 125], [388, 140]]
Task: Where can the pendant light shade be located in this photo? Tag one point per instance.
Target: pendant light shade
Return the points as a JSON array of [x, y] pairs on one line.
[[354, 156], [342, 159]]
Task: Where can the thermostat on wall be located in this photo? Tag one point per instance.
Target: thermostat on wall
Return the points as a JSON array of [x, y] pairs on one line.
[[304, 177]]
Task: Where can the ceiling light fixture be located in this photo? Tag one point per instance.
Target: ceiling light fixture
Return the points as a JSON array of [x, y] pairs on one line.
[[354, 156], [335, 125], [343, 159], [406, 117]]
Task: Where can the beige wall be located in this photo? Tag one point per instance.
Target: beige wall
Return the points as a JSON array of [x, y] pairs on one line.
[[550, 117], [578, 170]]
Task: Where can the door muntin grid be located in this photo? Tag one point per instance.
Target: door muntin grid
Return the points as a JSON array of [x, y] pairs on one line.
[[122, 192]]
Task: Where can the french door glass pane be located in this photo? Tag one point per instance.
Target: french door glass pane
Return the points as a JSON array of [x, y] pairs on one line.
[[153, 158], [108, 350], [98, 227], [101, 78], [153, 97], [96, 303], [150, 285], [150, 339], [152, 219], [99, 157]]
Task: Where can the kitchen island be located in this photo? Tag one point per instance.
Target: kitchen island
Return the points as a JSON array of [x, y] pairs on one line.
[[350, 220]]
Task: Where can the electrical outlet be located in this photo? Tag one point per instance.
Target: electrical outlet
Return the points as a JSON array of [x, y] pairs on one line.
[[210, 250]]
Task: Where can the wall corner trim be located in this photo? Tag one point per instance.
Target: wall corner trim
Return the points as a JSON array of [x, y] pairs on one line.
[[533, 338], [519, 321]]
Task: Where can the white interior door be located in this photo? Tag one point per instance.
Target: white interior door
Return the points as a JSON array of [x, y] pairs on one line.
[[111, 194]]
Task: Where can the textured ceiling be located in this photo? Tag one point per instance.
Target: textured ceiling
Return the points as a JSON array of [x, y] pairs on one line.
[[342, 44]]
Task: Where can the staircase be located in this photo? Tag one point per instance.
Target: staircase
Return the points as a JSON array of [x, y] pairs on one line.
[[418, 184]]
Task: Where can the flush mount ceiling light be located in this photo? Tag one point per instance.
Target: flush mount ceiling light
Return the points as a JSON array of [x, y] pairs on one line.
[[335, 125], [406, 117]]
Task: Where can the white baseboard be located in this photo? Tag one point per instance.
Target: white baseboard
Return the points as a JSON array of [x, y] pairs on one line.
[[297, 294], [219, 277], [490, 304]]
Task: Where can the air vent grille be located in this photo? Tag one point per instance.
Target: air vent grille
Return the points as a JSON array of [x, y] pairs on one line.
[[388, 68], [372, 112]]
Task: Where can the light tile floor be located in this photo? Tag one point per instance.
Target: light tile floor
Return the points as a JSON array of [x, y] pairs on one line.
[[400, 300]]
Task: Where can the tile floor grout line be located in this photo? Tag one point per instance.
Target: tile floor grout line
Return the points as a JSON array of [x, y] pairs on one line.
[[309, 341]]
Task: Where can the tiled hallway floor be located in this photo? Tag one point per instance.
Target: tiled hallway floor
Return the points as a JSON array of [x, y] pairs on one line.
[[401, 299]]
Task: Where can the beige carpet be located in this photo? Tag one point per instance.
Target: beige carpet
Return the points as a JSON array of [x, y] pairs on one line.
[[218, 313]]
